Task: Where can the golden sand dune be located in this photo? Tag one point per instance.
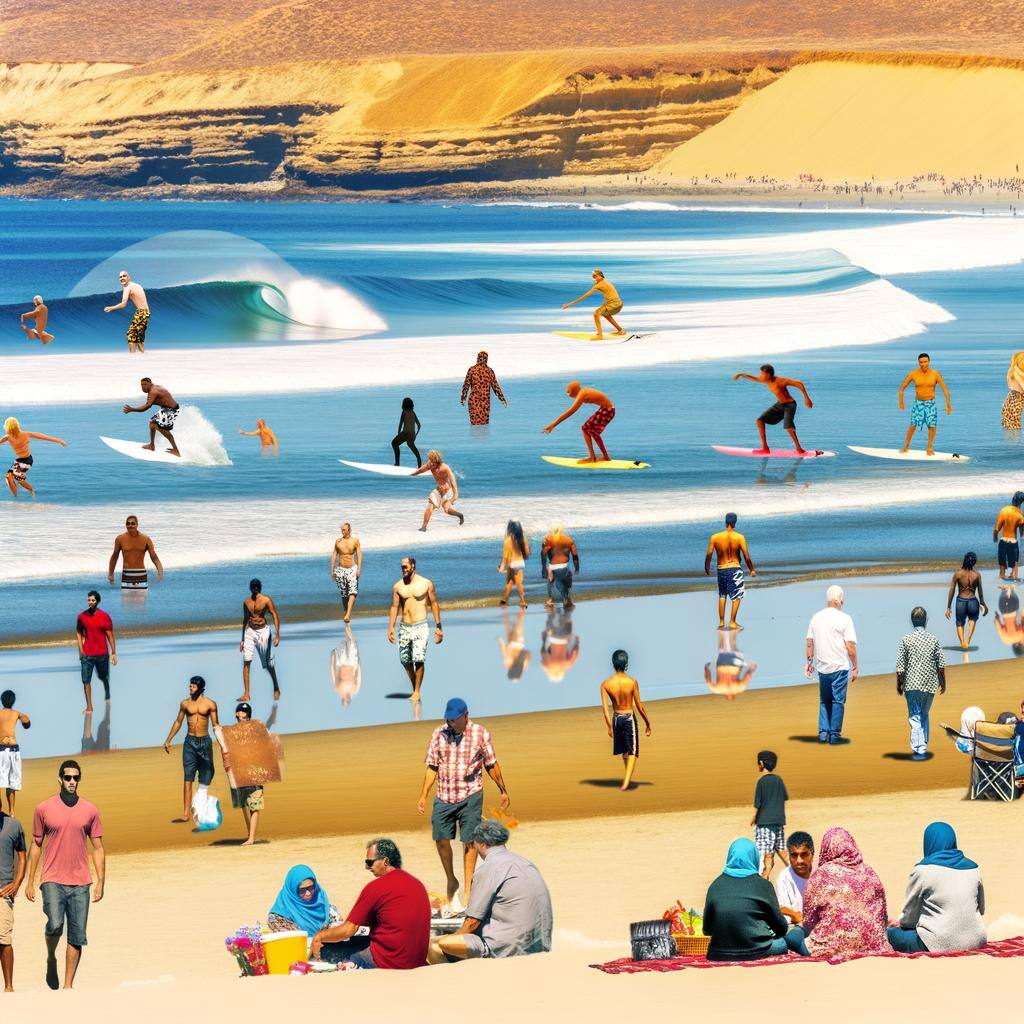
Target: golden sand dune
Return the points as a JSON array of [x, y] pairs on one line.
[[862, 118]]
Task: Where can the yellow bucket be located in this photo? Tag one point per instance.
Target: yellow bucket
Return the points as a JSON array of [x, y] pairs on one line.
[[282, 949]]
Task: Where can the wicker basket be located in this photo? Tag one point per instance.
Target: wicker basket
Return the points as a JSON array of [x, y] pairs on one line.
[[692, 945]]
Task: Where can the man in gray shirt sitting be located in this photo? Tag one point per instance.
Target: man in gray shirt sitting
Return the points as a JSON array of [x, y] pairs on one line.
[[509, 910]]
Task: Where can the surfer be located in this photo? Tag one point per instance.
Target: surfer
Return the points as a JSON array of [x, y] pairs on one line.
[[19, 440], [966, 582], [258, 637], [608, 309], [783, 410], [729, 546], [134, 292], [265, 434], [593, 428], [924, 412], [438, 497], [40, 314], [347, 567], [163, 419], [479, 383], [408, 428], [133, 547], [410, 596]]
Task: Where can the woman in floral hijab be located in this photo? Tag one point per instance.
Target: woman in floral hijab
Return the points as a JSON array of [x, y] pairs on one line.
[[844, 903]]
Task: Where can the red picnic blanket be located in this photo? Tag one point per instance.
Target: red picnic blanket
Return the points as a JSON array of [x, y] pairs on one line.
[[1002, 948]]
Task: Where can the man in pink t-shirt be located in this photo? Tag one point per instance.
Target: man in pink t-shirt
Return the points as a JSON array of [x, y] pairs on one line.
[[62, 824], [97, 648]]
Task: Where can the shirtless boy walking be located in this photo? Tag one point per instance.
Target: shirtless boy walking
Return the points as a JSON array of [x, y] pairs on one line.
[[924, 412], [445, 480], [620, 695], [19, 440], [163, 419], [410, 596], [609, 308], [134, 292], [10, 751], [133, 546], [39, 313], [784, 409], [729, 546], [347, 567], [257, 636], [197, 750], [593, 428]]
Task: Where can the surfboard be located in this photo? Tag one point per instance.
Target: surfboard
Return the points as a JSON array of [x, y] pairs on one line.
[[379, 467], [914, 455], [134, 450], [608, 339], [610, 464], [775, 453]]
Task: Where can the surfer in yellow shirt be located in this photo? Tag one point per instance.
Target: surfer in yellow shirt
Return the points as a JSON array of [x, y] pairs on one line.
[[611, 305], [594, 426]]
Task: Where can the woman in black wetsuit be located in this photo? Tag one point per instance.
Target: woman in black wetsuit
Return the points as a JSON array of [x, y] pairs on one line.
[[408, 428]]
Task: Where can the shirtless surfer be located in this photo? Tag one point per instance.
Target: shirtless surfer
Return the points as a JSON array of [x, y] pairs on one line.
[[970, 598], [593, 428], [39, 313], [134, 292], [729, 546], [410, 596], [19, 440], [133, 546], [347, 567], [783, 410], [620, 700], [10, 752], [924, 412], [267, 437], [608, 309], [197, 750], [445, 480], [258, 637], [163, 419]]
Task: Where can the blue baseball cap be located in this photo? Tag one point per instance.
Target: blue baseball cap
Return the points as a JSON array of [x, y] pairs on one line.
[[455, 708]]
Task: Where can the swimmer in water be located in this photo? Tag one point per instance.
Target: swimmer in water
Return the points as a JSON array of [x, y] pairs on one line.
[[593, 428], [966, 582], [408, 428], [19, 440], [438, 497], [265, 434], [609, 308], [39, 313], [924, 412], [784, 409]]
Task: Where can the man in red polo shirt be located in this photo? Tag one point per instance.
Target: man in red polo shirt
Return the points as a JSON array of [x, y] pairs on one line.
[[97, 648], [394, 906]]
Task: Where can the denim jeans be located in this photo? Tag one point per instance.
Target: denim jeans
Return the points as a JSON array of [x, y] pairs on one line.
[[832, 706], [905, 940], [560, 583], [919, 704], [779, 947], [794, 940], [355, 950]]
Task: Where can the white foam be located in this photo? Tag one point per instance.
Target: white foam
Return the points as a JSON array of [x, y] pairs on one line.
[[873, 312], [58, 540], [200, 438]]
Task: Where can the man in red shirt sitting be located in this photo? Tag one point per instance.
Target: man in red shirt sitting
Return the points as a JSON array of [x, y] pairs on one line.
[[394, 906], [94, 631]]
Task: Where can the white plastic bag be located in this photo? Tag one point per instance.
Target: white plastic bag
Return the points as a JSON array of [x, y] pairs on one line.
[[206, 811]]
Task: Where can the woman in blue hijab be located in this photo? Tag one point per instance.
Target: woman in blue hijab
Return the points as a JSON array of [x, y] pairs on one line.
[[945, 900], [301, 905], [741, 912]]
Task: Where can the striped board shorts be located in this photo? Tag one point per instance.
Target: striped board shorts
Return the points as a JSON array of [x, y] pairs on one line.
[[134, 579]]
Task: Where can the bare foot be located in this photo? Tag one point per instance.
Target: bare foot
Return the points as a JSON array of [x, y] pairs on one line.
[[549, 605], [581, 462], [148, 448], [277, 695], [180, 821], [415, 698], [618, 334], [452, 890], [569, 605], [245, 697], [801, 451], [523, 604], [907, 449], [597, 337], [345, 619], [174, 451], [762, 451], [462, 518], [928, 451], [249, 842]]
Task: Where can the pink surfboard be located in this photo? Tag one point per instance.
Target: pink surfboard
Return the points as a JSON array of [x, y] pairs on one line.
[[775, 453]]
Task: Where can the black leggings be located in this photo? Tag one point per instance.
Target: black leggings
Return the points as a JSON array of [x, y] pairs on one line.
[[407, 439]]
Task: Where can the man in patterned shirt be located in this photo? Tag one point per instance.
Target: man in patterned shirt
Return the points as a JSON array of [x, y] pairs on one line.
[[920, 674], [459, 752]]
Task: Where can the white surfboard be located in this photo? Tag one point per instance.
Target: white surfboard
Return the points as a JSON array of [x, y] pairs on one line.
[[379, 467], [775, 453], [914, 455], [134, 450]]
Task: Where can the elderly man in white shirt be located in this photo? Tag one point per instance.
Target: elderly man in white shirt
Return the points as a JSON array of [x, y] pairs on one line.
[[832, 652]]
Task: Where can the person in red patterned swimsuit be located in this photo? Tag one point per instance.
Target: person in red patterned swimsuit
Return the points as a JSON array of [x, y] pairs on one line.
[[479, 383], [594, 427]]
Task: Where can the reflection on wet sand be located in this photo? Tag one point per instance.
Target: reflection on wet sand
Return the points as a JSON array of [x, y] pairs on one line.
[[514, 655], [731, 673], [346, 673], [559, 646], [1007, 620], [102, 741]]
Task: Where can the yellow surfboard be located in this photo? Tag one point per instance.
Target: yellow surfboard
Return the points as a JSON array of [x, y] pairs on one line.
[[608, 339], [609, 464]]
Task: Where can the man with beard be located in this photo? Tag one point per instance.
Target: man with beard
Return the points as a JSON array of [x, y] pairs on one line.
[[133, 546], [410, 596]]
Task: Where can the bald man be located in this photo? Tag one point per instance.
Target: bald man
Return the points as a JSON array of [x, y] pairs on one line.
[[40, 314], [134, 292], [593, 428]]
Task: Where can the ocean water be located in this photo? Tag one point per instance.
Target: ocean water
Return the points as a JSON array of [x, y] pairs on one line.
[[320, 318]]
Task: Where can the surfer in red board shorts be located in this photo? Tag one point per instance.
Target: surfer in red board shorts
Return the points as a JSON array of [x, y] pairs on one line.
[[594, 427], [784, 409]]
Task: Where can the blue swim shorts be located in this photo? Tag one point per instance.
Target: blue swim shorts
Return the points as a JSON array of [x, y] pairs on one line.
[[730, 583], [924, 414]]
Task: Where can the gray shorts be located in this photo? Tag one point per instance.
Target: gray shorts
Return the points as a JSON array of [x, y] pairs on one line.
[[476, 948], [412, 643], [780, 411], [66, 902], [466, 813]]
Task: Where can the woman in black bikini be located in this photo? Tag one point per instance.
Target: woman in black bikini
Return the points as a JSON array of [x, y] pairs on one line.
[[408, 428], [966, 582]]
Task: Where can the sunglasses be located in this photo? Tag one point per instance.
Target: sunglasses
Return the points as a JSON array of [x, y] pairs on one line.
[[71, 778], [303, 889], [371, 861]]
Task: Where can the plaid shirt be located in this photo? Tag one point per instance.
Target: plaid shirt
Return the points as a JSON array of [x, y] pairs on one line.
[[460, 761], [919, 661]]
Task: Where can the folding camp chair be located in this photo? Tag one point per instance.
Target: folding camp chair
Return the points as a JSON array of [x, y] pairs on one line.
[[992, 762]]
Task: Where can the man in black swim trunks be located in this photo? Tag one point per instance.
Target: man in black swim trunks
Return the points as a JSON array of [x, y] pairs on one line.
[[784, 409], [163, 419], [197, 751]]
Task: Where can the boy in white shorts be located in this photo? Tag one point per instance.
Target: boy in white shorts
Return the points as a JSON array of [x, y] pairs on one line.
[[10, 753]]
